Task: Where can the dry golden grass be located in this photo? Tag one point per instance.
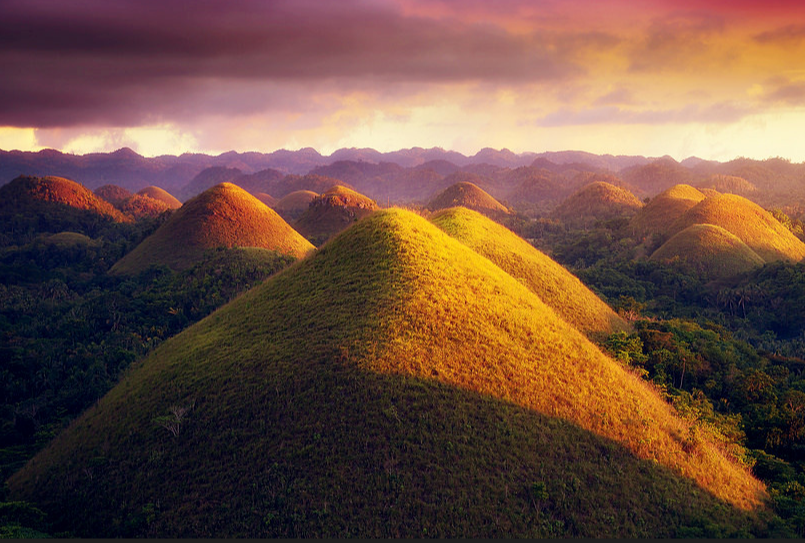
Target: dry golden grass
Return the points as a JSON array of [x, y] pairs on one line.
[[709, 250], [292, 205], [597, 201], [557, 287], [749, 222], [395, 384], [162, 195], [138, 206], [336, 209], [61, 191], [664, 209], [267, 199], [225, 215], [468, 195]]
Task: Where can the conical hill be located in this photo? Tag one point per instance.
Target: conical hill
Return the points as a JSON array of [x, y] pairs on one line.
[[292, 205], [138, 206], [28, 192], [749, 222], [709, 250], [394, 384], [267, 199], [556, 286], [595, 202], [468, 195], [333, 211], [162, 195], [113, 194], [224, 215], [664, 209]]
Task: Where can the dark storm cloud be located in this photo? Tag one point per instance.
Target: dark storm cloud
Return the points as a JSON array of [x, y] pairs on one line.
[[125, 62]]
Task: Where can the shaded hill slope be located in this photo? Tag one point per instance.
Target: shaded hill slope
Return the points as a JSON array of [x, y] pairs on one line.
[[468, 195], [224, 215], [396, 384], [664, 209], [112, 193], [557, 287], [332, 212], [138, 206], [595, 202], [292, 205], [709, 250], [162, 195], [749, 222]]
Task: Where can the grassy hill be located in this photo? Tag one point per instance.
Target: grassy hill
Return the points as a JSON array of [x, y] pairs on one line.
[[749, 222], [29, 191], [112, 193], [292, 205], [395, 384], [267, 199], [332, 212], [665, 208], [731, 184], [595, 202], [139, 206], [225, 215], [468, 195], [557, 287], [709, 250], [162, 195]]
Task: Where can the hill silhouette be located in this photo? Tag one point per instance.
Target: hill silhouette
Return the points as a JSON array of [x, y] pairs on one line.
[[749, 222], [332, 212], [225, 215], [35, 192], [665, 208], [710, 251], [162, 195], [468, 195], [557, 287], [292, 205], [595, 202], [112, 194], [394, 384]]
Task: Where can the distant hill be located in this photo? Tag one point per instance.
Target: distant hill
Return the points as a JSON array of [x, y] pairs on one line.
[[657, 176], [206, 179], [471, 196], [139, 206], [331, 212], [310, 182], [224, 215], [557, 287], [708, 250], [292, 205], [749, 222], [112, 194], [267, 199], [162, 195], [30, 192], [597, 201], [664, 209], [395, 384], [729, 184]]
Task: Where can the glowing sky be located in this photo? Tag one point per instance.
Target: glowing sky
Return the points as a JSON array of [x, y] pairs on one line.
[[710, 78]]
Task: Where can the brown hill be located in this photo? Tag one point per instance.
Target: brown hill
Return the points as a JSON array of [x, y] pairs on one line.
[[138, 206], [749, 222], [333, 211], [225, 215], [471, 196], [665, 208], [291, 206], [311, 183], [162, 195], [112, 194], [595, 202], [267, 199], [708, 250], [657, 176], [730, 184], [26, 190]]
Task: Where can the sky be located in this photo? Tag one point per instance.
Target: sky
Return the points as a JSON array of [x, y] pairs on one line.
[[716, 79]]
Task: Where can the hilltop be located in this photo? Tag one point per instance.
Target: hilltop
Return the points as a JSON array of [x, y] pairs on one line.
[[665, 208], [332, 212], [138, 206], [224, 215], [731, 184], [395, 384], [468, 195], [597, 201], [292, 205], [557, 287], [749, 222], [112, 194], [267, 199], [710, 251], [162, 195]]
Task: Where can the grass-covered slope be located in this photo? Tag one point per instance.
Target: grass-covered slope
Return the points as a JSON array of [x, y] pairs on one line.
[[29, 192], [267, 199], [333, 211], [664, 209], [470, 196], [749, 222], [113, 194], [709, 250], [139, 206], [222, 216], [162, 195], [292, 205], [595, 202], [395, 384], [556, 286]]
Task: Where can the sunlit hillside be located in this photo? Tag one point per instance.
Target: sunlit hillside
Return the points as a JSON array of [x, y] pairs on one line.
[[597, 201], [292, 205], [665, 208], [468, 195]]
